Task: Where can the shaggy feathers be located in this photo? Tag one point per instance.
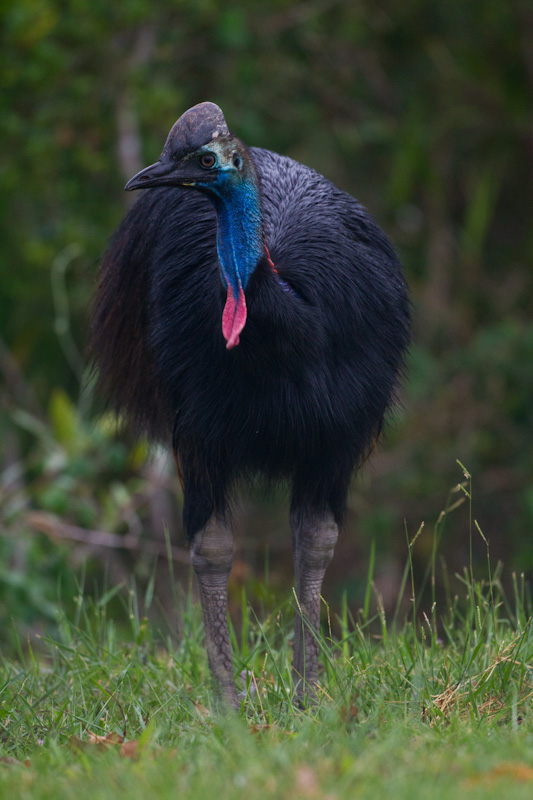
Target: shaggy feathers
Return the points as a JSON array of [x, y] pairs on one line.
[[303, 396]]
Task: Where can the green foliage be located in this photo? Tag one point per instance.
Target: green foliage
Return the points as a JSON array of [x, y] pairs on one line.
[[79, 477], [421, 111], [76, 466]]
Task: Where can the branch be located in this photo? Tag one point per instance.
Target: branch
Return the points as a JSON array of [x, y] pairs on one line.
[[54, 528]]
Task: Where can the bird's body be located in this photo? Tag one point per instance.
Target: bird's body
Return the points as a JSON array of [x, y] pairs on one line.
[[295, 384]]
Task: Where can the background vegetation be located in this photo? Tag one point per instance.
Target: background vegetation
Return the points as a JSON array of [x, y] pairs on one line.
[[421, 110]]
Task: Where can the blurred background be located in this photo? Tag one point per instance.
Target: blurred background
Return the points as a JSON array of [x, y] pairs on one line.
[[423, 111]]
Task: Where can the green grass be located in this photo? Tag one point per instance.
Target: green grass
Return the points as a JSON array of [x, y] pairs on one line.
[[435, 706], [403, 715]]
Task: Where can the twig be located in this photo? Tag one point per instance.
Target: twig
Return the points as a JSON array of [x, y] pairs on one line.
[[56, 529]]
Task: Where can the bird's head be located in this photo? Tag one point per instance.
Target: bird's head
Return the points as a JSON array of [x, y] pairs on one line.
[[199, 153]]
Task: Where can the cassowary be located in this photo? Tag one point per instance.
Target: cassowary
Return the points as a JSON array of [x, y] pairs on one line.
[[255, 316]]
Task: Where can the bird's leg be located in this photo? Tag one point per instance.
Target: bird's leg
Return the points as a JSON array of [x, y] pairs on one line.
[[211, 557], [313, 542]]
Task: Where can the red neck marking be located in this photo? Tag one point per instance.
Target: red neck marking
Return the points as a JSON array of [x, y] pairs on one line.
[[270, 262]]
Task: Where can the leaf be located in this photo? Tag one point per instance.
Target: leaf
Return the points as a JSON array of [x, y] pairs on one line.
[[13, 762], [109, 740], [510, 770], [76, 744], [64, 418], [130, 749], [349, 713], [202, 710], [260, 728]]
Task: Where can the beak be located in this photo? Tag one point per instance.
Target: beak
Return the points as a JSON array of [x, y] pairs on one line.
[[158, 174]]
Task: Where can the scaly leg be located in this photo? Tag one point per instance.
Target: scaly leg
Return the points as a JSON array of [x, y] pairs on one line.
[[211, 557], [313, 542]]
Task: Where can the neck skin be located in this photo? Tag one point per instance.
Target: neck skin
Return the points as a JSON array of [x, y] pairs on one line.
[[240, 234]]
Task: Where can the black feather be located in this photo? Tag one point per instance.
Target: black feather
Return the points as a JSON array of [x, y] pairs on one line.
[[303, 396]]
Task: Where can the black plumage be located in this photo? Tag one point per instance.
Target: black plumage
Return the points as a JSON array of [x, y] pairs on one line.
[[303, 396]]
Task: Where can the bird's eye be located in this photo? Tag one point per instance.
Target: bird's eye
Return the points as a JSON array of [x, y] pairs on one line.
[[208, 160], [237, 161]]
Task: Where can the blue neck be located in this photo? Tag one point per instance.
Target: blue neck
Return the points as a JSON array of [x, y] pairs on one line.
[[240, 236]]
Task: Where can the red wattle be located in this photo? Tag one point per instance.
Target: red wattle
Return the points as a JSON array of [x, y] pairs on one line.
[[233, 317]]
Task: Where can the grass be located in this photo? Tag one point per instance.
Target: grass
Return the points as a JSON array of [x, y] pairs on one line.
[[437, 706]]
